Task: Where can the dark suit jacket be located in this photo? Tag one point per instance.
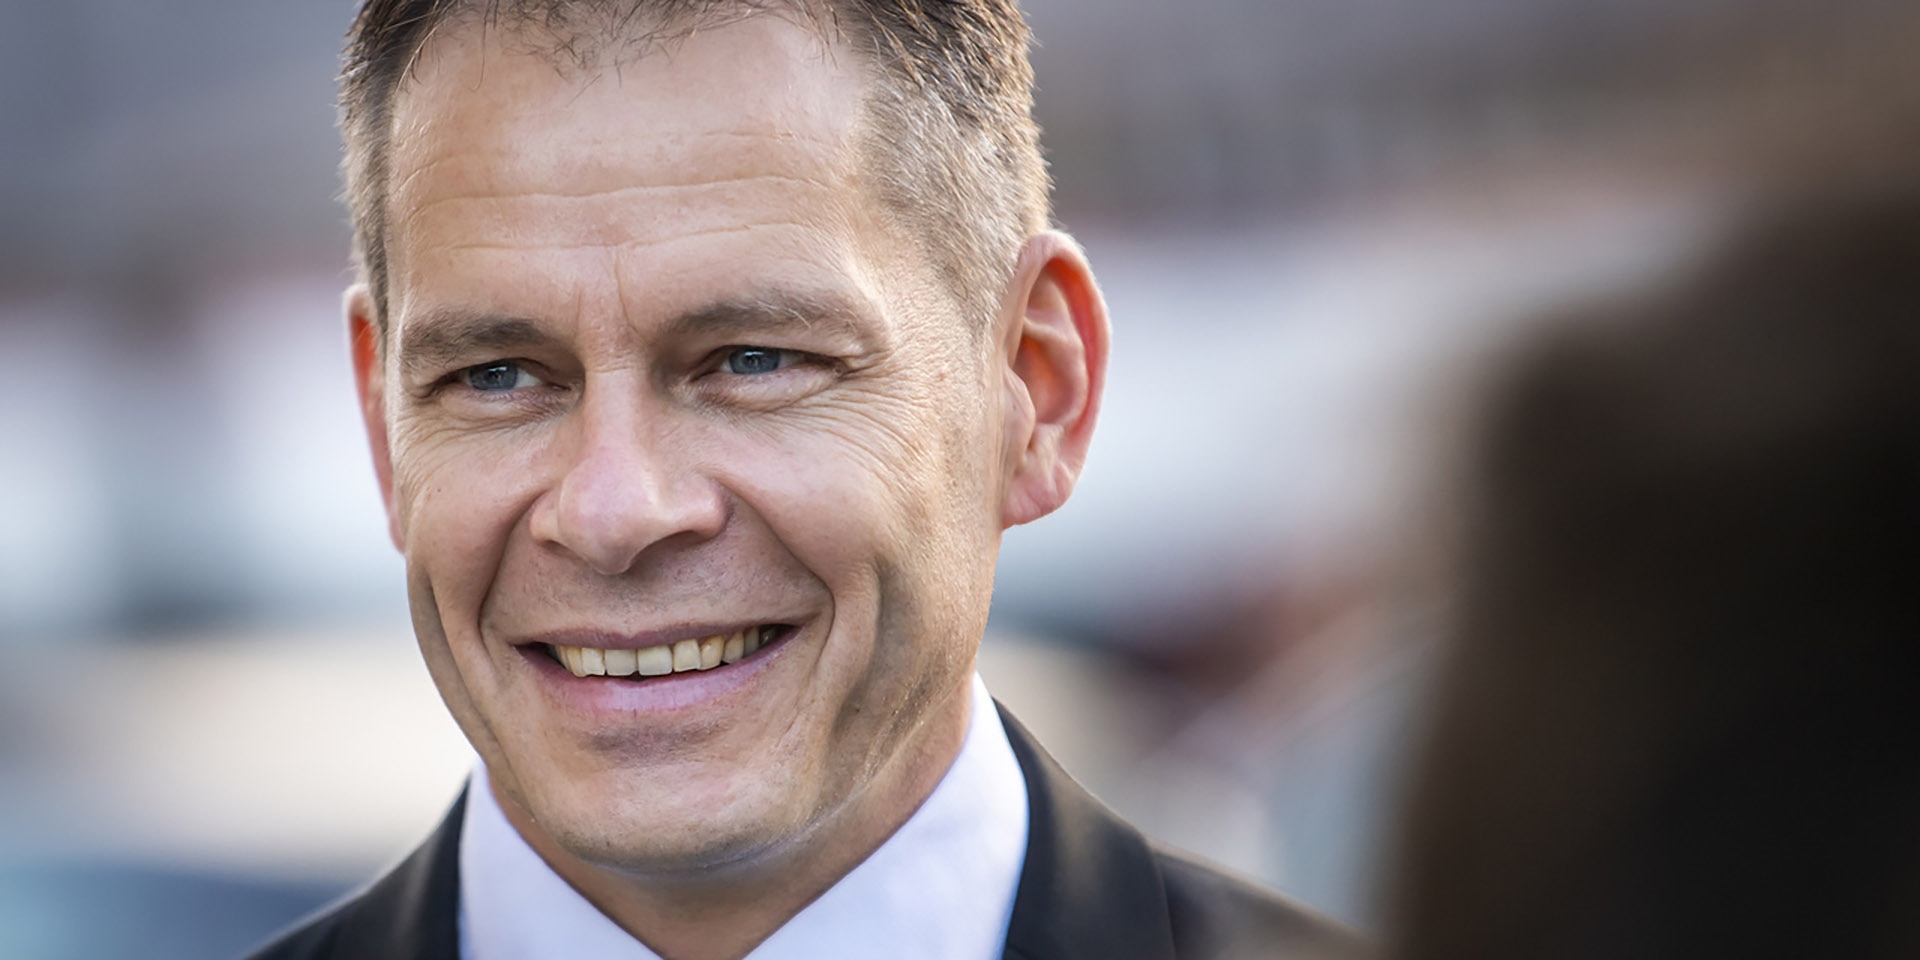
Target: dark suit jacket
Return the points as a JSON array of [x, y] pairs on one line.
[[1092, 888]]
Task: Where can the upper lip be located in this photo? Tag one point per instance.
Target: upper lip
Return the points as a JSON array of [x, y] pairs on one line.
[[620, 640]]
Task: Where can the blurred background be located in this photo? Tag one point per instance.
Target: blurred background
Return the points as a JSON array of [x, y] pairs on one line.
[[1318, 222]]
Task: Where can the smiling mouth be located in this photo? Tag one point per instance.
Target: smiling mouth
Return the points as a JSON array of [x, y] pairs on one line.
[[704, 653]]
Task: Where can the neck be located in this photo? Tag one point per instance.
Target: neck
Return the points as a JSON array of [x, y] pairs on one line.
[[723, 917]]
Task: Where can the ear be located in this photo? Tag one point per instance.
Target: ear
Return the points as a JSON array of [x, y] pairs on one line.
[[1054, 346], [370, 380]]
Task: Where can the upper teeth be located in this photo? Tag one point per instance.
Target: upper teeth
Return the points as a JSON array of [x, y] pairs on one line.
[[702, 654]]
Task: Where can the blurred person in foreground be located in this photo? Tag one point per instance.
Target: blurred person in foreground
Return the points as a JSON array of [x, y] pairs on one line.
[[1682, 715], [706, 349]]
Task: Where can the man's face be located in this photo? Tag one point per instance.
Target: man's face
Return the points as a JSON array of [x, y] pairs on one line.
[[658, 371]]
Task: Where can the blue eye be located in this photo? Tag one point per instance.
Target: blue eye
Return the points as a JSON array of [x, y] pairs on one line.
[[748, 361], [499, 377]]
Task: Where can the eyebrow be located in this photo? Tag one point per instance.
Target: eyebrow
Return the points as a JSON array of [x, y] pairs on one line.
[[444, 338], [770, 310]]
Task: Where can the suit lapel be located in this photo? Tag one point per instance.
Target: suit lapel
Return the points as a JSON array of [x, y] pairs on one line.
[[1090, 887], [411, 912]]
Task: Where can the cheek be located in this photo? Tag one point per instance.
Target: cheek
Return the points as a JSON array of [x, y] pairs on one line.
[[458, 503], [842, 492], [824, 508], [888, 502]]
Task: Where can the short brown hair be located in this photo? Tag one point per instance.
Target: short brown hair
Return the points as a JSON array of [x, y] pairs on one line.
[[950, 141]]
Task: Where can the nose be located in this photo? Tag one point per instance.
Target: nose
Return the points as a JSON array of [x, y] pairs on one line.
[[628, 486]]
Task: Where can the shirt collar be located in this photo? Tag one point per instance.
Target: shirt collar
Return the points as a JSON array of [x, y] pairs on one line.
[[942, 887]]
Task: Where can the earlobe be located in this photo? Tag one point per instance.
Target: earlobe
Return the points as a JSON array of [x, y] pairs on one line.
[[369, 378], [1056, 355]]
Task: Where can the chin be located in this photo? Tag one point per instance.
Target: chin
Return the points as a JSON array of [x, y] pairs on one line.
[[668, 822]]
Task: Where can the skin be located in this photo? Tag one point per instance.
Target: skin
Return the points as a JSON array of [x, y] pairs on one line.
[[599, 246]]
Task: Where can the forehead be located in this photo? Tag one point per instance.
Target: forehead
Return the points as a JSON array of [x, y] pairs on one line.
[[746, 128]]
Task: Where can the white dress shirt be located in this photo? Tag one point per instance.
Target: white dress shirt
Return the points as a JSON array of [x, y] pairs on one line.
[[940, 888]]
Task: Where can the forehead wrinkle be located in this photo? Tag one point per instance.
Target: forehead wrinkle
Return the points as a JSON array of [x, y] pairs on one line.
[[615, 193], [628, 200], [418, 170], [792, 143], [626, 244], [589, 221]]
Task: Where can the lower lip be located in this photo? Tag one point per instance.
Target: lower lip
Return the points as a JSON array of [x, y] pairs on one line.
[[664, 694]]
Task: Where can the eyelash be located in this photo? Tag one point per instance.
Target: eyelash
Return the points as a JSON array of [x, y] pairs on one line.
[[798, 375], [461, 378], [467, 374], [721, 363]]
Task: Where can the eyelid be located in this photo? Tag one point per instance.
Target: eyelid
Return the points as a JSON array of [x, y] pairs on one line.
[[528, 367], [789, 355], [457, 377], [801, 374]]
